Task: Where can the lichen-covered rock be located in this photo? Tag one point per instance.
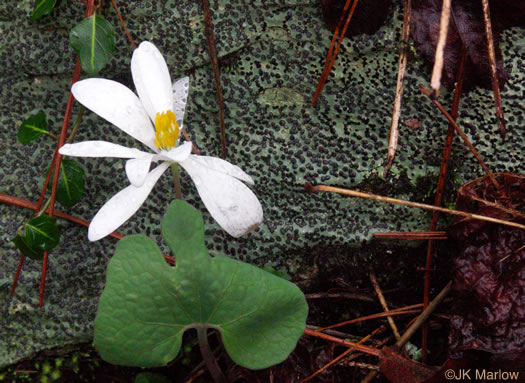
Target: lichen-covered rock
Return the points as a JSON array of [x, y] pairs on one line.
[[272, 54]]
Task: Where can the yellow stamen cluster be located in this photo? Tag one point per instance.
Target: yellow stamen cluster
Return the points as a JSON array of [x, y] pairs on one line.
[[166, 130]]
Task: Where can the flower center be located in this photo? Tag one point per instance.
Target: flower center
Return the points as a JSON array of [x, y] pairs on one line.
[[166, 130]]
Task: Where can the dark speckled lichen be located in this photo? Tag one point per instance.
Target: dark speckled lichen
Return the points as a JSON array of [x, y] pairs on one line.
[[278, 49]]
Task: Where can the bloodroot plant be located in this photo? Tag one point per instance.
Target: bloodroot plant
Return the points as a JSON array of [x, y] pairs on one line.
[[147, 305]]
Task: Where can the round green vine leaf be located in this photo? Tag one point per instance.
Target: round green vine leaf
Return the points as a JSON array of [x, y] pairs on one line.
[[94, 41]]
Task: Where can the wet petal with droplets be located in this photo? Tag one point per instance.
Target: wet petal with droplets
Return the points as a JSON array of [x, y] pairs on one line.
[[177, 154], [230, 202], [123, 205], [117, 104], [223, 166], [152, 79], [180, 97], [137, 169]]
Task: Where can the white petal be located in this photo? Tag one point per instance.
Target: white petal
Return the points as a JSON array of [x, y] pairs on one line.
[[230, 202], [117, 104], [177, 154], [152, 79], [123, 205], [100, 149], [223, 166], [137, 169], [181, 88]]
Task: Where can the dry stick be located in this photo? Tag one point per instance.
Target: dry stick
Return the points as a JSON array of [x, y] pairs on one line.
[[439, 192], [339, 357], [412, 235], [462, 135], [424, 316], [369, 317], [493, 70], [20, 202], [360, 297], [382, 300], [338, 333], [421, 319], [357, 347], [212, 49], [396, 110], [322, 79], [374, 197], [435, 82], [124, 25], [511, 254]]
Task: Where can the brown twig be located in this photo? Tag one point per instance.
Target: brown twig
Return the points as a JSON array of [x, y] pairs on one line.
[[462, 135], [435, 82], [332, 54], [439, 192], [212, 49], [124, 25], [382, 300], [422, 318], [358, 347], [360, 297], [396, 109], [493, 70], [412, 235], [344, 354], [370, 317], [374, 197]]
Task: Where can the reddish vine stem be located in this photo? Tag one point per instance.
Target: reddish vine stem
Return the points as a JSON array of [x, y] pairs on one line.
[[20, 202], [36, 209], [462, 135], [493, 70], [212, 50], [56, 161], [439, 193], [330, 58], [124, 25], [330, 51]]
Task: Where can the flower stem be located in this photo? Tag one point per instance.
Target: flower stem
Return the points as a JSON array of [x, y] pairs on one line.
[[175, 170], [207, 355]]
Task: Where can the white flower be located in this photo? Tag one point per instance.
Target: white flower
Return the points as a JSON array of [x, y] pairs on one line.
[[153, 118]]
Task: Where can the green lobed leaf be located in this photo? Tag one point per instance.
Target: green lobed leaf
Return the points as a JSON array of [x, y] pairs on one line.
[[42, 233], [21, 244], [151, 377], [94, 41], [42, 8], [32, 128], [147, 305], [70, 182]]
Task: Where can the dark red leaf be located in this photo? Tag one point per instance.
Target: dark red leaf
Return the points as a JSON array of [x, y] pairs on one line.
[[369, 15], [401, 370], [489, 269], [466, 28]]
